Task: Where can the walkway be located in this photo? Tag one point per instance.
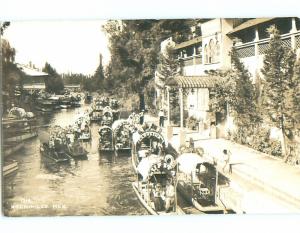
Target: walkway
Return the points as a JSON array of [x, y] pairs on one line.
[[264, 183]]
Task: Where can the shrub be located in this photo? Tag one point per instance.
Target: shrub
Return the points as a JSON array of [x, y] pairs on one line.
[[191, 123]]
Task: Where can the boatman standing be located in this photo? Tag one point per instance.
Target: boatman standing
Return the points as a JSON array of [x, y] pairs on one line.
[[170, 196]]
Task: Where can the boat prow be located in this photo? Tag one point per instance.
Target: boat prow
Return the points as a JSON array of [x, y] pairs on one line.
[[150, 208]]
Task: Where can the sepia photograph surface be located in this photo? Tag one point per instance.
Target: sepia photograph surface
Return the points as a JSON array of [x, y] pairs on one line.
[[150, 117]]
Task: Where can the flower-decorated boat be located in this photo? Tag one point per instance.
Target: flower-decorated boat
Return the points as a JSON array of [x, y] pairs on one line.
[[155, 186], [146, 143], [105, 139], [107, 117], [122, 136], [199, 183]]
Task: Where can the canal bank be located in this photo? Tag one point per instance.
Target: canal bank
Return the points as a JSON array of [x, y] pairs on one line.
[[260, 183]]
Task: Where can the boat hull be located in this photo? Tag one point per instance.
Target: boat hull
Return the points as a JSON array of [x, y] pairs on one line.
[[195, 203], [22, 137], [179, 211], [61, 158], [10, 168]]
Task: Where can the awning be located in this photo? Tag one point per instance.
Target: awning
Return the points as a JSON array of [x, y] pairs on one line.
[[249, 23], [195, 81], [193, 41], [188, 162], [146, 164]]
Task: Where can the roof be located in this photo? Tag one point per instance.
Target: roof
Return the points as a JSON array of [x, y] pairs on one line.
[[31, 71], [248, 24], [195, 81], [188, 43]]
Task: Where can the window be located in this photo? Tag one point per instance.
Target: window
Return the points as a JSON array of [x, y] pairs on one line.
[[212, 52], [206, 53]]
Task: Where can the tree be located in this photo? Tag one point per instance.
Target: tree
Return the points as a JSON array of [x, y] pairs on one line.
[[246, 112], [279, 87], [238, 95], [134, 45], [54, 82], [98, 76], [3, 26]]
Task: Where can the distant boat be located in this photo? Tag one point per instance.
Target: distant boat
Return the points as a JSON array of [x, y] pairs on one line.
[[77, 151], [57, 156], [15, 130], [10, 166], [122, 136], [105, 139]]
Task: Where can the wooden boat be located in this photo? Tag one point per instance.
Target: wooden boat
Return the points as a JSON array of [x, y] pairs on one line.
[[107, 118], [56, 155], [154, 181], [15, 130], [105, 139], [10, 167], [122, 136], [11, 148], [77, 151], [88, 98], [144, 144], [199, 182], [85, 134]]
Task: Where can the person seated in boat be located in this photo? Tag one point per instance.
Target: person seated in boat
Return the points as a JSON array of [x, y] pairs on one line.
[[158, 196], [170, 196], [155, 148]]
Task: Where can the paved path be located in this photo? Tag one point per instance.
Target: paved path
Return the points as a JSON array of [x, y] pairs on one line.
[[268, 184]]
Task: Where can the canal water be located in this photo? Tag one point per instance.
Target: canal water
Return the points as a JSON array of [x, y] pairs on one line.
[[100, 185]]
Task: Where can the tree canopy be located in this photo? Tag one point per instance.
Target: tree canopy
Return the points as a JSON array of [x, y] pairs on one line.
[[134, 45], [54, 83]]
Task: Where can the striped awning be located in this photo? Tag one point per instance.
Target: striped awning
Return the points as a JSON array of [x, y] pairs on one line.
[[195, 81]]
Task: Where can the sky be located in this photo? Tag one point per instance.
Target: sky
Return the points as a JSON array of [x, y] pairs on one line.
[[69, 46]]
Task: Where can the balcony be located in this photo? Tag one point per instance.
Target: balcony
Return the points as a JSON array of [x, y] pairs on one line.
[[255, 48], [191, 60]]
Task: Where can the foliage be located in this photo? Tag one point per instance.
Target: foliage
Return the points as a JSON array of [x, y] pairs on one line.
[[191, 123], [3, 26], [279, 99], [261, 141], [237, 92], [134, 45], [168, 68], [12, 76], [54, 83]]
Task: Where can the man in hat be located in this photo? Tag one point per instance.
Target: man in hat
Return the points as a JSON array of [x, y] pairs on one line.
[[161, 115]]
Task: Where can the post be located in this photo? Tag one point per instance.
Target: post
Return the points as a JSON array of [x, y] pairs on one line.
[[168, 106], [294, 29], [181, 107], [181, 132], [169, 127]]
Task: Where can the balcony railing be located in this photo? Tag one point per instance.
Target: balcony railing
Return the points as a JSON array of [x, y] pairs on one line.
[[248, 49], [191, 60]]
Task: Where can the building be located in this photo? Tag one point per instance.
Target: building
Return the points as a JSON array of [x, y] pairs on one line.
[[211, 51], [33, 79]]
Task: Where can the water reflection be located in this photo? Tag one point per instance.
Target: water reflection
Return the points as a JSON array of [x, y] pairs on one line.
[[100, 185]]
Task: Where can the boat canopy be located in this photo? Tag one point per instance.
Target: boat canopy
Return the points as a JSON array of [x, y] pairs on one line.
[[105, 127], [118, 124], [16, 112], [146, 164], [148, 134], [188, 162]]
